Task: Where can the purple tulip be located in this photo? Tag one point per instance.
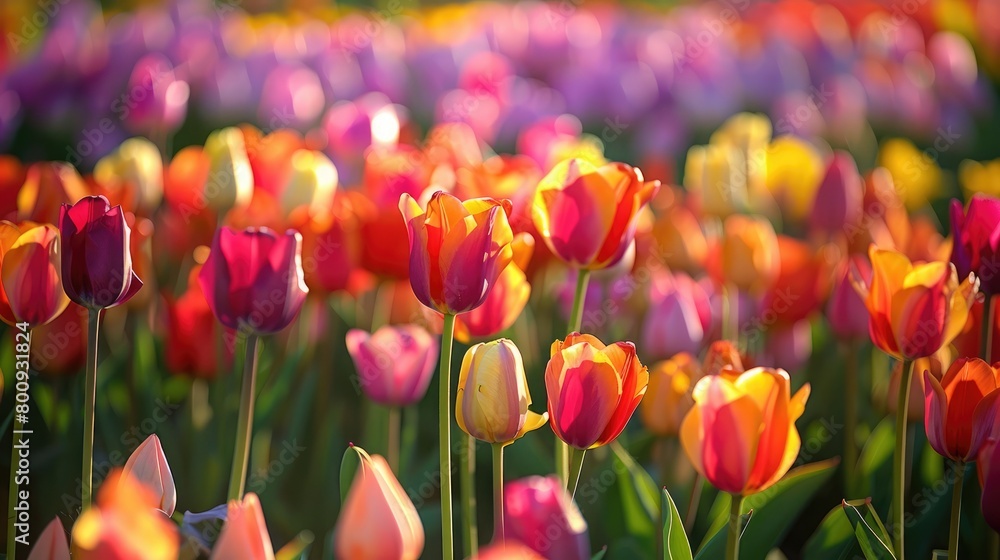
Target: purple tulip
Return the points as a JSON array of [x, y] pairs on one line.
[[96, 261], [539, 513], [253, 279], [977, 237], [846, 312], [394, 364], [680, 320], [155, 100]]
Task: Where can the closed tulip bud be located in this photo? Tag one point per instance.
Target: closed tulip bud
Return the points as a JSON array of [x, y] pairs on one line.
[[136, 164], [588, 215], [741, 433], [244, 534], [493, 399], [802, 283], [125, 525], [678, 321], [900, 157], [722, 356], [915, 309], [959, 410], [748, 255], [793, 172], [717, 173], [253, 279], [668, 397], [31, 290], [51, 544], [505, 301], [680, 241], [507, 550], [103, 278], [839, 201], [230, 177], [378, 519], [394, 364], [976, 246], [457, 249], [312, 182], [541, 514], [148, 466], [592, 389], [846, 312]]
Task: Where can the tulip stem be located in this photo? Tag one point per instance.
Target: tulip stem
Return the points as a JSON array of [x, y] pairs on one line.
[[444, 438], [956, 510], [244, 426], [575, 323], [899, 458], [467, 487], [393, 439], [692, 509], [989, 319], [12, 493], [410, 429], [89, 399], [733, 544], [498, 532], [850, 413], [576, 458]]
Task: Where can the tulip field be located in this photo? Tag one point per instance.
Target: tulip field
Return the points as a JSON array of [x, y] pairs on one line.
[[559, 280]]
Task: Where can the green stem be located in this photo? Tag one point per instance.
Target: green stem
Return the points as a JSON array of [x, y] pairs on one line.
[[575, 323], [576, 458], [411, 427], [14, 457], [244, 427], [498, 532], [956, 510], [733, 543], [692, 509], [393, 439], [444, 438], [467, 487], [899, 458], [989, 319], [850, 413], [89, 399]]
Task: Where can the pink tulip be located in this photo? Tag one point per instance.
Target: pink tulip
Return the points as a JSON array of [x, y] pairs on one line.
[[839, 199], [244, 535], [51, 544], [148, 466], [541, 514], [846, 312], [394, 364], [678, 321]]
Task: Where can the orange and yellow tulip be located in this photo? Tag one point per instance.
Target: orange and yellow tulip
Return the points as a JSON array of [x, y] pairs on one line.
[[668, 398], [588, 215], [747, 255], [960, 409], [741, 433], [592, 389], [31, 289], [915, 308]]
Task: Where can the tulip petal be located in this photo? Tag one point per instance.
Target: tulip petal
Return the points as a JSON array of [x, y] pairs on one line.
[[32, 279], [935, 414], [634, 381], [982, 423], [732, 422], [582, 396], [51, 544], [573, 210]]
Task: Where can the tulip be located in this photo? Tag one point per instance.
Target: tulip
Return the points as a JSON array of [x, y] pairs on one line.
[[394, 364], [748, 256], [312, 182], [839, 200], [244, 534], [960, 408], [135, 166], [31, 290], [668, 397], [988, 466], [508, 550], [793, 173], [493, 394], [980, 177], [157, 100], [722, 358], [680, 240], [96, 279], [125, 525], [230, 178], [190, 323], [976, 247], [253, 279], [378, 519], [915, 174], [716, 173], [936, 364], [329, 248], [505, 301], [539, 513], [588, 215], [148, 466], [47, 186], [801, 285], [846, 311], [51, 544], [679, 320]]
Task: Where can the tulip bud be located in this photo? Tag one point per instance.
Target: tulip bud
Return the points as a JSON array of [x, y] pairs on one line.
[[959, 410], [493, 394], [976, 246], [378, 519], [136, 164], [678, 321], [541, 514], [157, 101], [51, 544], [793, 172], [748, 256], [668, 398], [900, 157], [96, 279], [680, 240], [838, 204], [47, 186], [846, 311], [148, 466], [394, 364], [31, 290], [722, 355], [312, 183], [230, 178], [244, 534]]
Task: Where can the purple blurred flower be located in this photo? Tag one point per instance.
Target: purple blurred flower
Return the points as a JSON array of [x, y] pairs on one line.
[[394, 364]]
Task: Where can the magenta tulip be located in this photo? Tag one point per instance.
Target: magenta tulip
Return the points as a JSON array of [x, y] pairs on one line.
[[977, 241], [679, 321], [539, 513], [253, 279], [96, 261], [394, 364], [839, 199]]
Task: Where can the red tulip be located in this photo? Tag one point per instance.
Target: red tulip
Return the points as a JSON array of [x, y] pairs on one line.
[[253, 279], [190, 323], [959, 410], [97, 258], [838, 204]]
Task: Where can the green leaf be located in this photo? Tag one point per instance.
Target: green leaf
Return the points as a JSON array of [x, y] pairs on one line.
[[834, 539], [675, 541], [716, 546], [869, 531], [776, 508], [638, 499], [875, 466], [600, 554], [348, 468]]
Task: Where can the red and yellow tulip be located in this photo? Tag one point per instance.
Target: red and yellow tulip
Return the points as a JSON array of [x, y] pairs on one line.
[[960, 409], [31, 290]]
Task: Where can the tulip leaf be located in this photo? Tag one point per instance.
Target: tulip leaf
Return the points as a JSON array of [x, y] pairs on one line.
[[834, 539], [600, 554], [869, 531], [638, 499], [348, 468], [875, 466], [716, 545], [776, 507], [297, 549], [675, 541]]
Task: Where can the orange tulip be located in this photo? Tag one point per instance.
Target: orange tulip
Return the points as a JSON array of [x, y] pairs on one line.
[[592, 389], [505, 301], [588, 215], [741, 433], [960, 409], [378, 519], [722, 356], [125, 525], [668, 397], [915, 308], [245, 534], [747, 255], [30, 268]]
